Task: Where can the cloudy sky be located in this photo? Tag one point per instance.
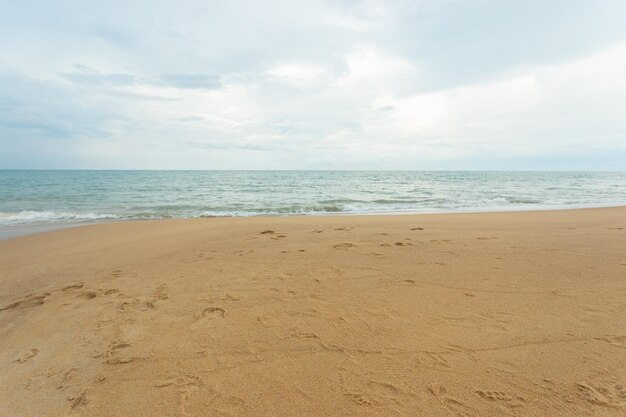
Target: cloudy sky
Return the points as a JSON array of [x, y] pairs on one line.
[[430, 84]]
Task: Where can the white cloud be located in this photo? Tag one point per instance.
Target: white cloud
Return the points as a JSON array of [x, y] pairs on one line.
[[296, 73]]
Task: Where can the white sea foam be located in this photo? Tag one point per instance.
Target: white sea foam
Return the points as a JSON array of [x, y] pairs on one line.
[[33, 217]]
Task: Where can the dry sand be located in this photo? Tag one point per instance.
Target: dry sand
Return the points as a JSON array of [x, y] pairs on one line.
[[492, 314]]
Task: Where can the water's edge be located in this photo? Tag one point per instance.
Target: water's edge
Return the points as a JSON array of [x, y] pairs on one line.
[[39, 200], [7, 233]]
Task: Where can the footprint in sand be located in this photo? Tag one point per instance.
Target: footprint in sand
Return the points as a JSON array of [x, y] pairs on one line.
[[344, 246], [267, 232], [28, 301], [88, 295], [28, 356], [433, 360], [230, 297], [213, 312], [503, 397], [71, 287], [114, 355], [360, 398], [160, 294], [301, 334], [120, 361], [382, 389], [417, 228], [78, 400], [617, 341], [210, 316], [436, 389], [452, 405], [603, 393]]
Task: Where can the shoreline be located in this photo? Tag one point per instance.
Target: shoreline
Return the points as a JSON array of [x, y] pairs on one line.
[[8, 232]]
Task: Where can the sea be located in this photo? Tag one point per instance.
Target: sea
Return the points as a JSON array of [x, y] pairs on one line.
[[40, 199]]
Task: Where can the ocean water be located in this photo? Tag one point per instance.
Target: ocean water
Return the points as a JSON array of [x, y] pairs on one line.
[[39, 198]]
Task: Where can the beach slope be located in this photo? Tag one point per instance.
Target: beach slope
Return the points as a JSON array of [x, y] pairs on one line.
[[487, 314]]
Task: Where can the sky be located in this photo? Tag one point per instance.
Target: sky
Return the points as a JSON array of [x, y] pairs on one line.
[[343, 84]]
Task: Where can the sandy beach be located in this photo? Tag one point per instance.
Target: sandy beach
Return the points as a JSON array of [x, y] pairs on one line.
[[485, 314]]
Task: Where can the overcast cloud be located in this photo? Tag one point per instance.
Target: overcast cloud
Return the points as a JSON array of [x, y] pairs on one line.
[[430, 84]]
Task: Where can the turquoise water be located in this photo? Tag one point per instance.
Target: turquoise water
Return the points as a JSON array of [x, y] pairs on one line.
[[30, 198]]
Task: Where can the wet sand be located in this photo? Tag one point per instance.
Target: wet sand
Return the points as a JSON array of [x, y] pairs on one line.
[[487, 314]]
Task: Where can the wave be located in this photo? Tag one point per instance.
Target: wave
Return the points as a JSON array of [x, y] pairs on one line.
[[33, 216], [520, 200], [408, 200], [275, 211], [341, 201]]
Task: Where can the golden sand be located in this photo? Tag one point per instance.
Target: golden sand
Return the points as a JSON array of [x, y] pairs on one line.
[[491, 314]]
